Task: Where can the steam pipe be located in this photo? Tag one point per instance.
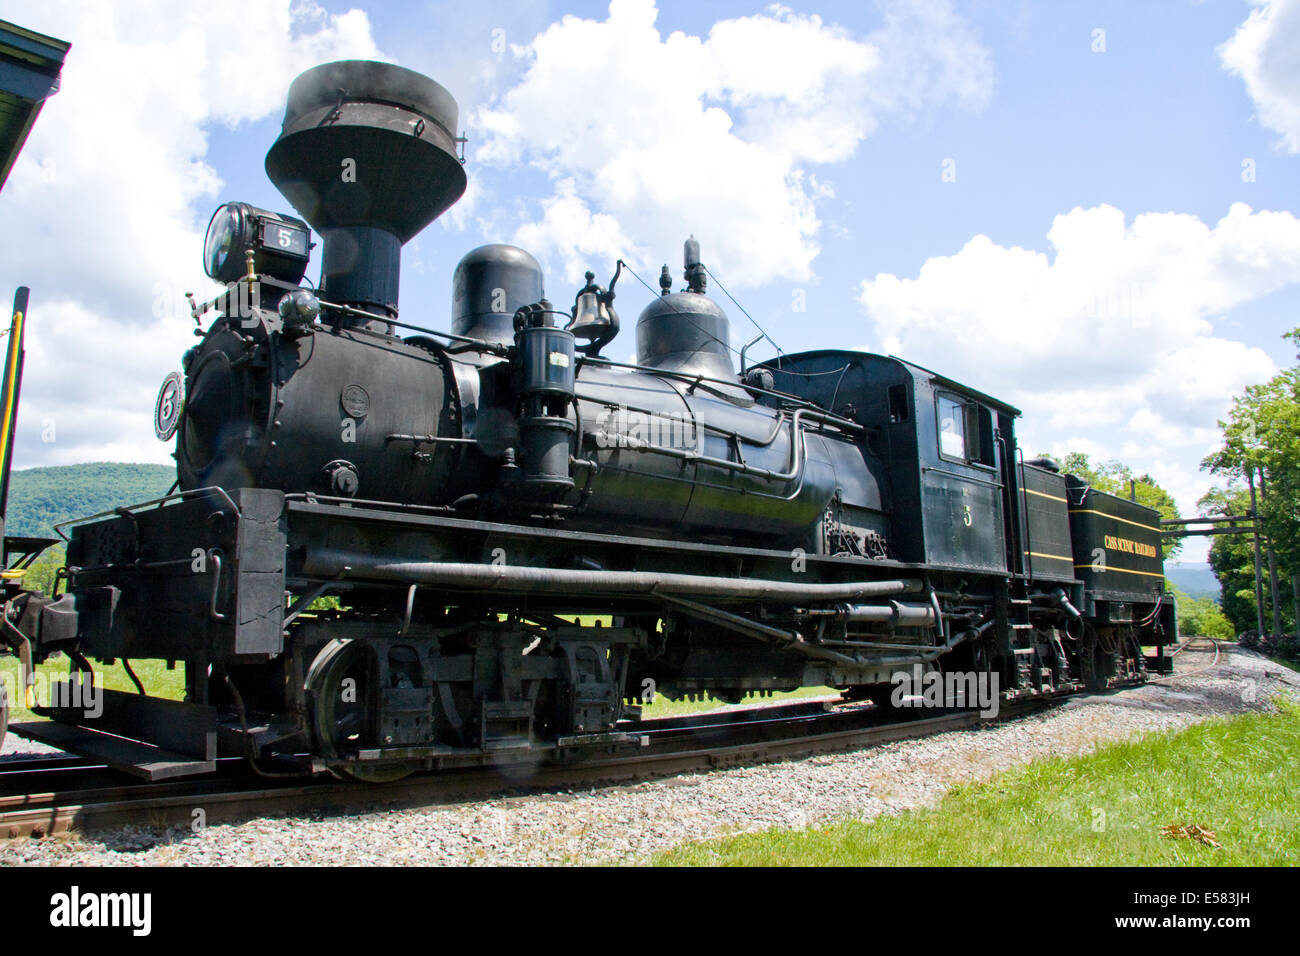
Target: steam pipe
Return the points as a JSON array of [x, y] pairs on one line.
[[928, 654], [788, 640], [893, 613], [814, 412], [330, 562], [1063, 600]]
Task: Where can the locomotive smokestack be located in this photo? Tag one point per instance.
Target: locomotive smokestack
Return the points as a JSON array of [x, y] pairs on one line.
[[367, 155]]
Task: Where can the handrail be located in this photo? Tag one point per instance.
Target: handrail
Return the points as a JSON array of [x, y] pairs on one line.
[[126, 509], [798, 451]]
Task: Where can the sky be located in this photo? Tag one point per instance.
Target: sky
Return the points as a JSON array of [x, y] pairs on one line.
[[1088, 210]]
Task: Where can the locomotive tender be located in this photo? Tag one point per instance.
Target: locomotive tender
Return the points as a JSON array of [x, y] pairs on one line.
[[524, 536]]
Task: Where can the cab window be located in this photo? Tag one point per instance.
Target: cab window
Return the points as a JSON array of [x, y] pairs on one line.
[[952, 428], [965, 430]]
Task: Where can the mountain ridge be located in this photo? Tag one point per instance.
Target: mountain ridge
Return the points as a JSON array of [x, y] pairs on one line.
[[41, 497]]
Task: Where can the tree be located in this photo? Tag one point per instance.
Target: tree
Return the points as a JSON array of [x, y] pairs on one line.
[[40, 574], [1232, 558], [1202, 617], [1261, 443]]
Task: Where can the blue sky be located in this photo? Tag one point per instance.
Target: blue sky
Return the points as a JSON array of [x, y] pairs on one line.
[[1087, 209]]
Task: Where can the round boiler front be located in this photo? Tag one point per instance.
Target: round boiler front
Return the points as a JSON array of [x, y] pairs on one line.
[[347, 413]]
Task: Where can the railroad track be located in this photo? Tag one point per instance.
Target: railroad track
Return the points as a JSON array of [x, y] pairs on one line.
[[41, 796], [1185, 645], [46, 796]]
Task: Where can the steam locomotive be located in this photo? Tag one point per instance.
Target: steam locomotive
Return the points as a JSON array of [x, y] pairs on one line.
[[394, 548]]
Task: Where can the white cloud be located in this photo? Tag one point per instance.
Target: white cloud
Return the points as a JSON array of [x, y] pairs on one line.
[[1265, 53], [569, 226], [930, 55], [90, 384], [1112, 340], [108, 201], [659, 137]]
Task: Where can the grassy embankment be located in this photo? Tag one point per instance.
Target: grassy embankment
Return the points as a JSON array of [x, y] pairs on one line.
[[1234, 777]]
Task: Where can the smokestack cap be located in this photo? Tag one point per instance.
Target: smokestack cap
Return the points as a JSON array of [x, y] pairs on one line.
[[368, 144]]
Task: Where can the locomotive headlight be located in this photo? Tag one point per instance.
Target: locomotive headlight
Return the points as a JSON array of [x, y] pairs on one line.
[[280, 244]]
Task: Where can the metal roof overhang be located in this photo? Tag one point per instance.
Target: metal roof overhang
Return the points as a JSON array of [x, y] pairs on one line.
[[30, 64]]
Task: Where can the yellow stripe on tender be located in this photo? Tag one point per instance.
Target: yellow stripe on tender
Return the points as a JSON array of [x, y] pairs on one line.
[[1043, 494], [1089, 511], [1108, 568], [1054, 557], [11, 381]]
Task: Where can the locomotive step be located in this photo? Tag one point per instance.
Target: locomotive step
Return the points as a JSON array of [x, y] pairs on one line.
[[129, 756]]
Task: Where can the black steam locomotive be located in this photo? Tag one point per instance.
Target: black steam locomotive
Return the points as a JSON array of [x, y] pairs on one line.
[[521, 537]]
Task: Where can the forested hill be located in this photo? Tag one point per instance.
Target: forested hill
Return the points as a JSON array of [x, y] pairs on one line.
[[39, 497]]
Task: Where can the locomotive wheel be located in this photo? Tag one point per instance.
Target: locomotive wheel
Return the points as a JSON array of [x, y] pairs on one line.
[[389, 773], [1097, 659], [341, 687]]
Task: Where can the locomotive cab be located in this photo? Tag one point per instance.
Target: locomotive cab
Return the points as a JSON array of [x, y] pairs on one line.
[[932, 441]]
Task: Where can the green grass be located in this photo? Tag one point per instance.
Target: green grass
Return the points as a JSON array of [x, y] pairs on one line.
[[1237, 777], [157, 680], [663, 707]]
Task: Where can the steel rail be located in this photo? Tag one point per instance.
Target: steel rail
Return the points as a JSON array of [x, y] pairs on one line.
[[687, 744], [667, 746], [1182, 647]]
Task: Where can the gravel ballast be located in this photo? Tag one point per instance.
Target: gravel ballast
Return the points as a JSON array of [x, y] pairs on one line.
[[630, 823]]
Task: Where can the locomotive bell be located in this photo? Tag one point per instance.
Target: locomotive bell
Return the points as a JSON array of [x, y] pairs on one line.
[[590, 318], [593, 315], [367, 155]]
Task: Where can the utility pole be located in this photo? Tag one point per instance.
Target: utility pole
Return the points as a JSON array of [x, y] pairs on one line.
[[1259, 587], [1272, 570], [1273, 589]]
